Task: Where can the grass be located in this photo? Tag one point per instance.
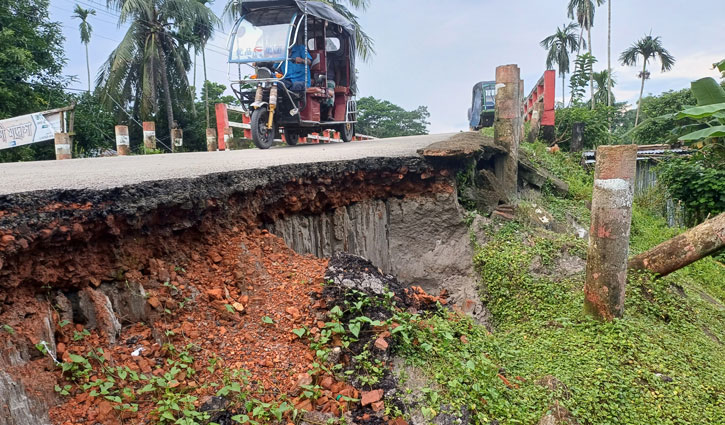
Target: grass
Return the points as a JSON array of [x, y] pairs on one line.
[[661, 364]]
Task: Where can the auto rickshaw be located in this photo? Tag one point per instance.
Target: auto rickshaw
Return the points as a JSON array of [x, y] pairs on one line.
[[259, 46], [481, 113]]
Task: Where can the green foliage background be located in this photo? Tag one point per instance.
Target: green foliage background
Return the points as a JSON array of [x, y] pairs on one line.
[[381, 118]]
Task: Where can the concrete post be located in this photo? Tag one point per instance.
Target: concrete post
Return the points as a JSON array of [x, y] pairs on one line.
[[507, 127], [211, 142], [177, 139], [577, 137], [149, 135], [62, 146], [122, 141], [606, 277], [222, 124]]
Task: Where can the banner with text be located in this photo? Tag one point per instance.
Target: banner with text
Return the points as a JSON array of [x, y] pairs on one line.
[[27, 129]]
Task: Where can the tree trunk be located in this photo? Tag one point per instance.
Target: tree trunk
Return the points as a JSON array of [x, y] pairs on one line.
[[581, 38], [609, 56], [167, 94], [682, 250], [591, 71], [88, 68], [206, 89], [196, 53], [563, 94], [641, 90]]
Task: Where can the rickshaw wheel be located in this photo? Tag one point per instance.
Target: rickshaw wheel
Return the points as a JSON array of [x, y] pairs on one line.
[[347, 132], [291, 136], [262, 136]]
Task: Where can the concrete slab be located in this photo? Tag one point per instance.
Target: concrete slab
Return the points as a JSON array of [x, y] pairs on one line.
[[113, 172]]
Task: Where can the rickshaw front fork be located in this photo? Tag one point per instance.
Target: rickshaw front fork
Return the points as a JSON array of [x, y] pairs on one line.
[[272, 104]]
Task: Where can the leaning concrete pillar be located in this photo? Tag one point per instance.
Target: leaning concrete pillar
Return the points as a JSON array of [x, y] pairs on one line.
[[507, 127], [62, 146], [177, 139], [122, 141], [211, 142], [149, 135], [606, 277]]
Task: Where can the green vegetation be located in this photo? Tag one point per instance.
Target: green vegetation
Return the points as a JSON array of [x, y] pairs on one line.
[[175, 402], [662, 363], [381, 118]]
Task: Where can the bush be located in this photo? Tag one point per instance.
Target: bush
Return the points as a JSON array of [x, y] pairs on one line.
[[596, 125], [698, 181]]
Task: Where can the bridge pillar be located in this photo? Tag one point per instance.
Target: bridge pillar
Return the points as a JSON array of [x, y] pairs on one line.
[[211, 141], [177, 139], [507, 127], [122, 141], [149, 135], [62, 146], [606, 277]]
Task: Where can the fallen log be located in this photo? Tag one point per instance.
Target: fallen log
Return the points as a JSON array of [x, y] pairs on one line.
[[682, 250]]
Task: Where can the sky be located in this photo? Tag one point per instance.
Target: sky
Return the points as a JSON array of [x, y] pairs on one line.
[[432, 52]]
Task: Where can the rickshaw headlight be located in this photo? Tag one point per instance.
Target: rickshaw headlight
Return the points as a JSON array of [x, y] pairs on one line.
[[278, 75], [252, 77]]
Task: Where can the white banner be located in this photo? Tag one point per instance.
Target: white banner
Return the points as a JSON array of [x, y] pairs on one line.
[[27, 129]]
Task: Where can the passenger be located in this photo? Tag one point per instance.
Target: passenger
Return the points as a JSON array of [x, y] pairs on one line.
[[295, 79]]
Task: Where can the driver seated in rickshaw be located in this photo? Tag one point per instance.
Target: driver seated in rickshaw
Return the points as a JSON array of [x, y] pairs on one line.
[[295, 78]]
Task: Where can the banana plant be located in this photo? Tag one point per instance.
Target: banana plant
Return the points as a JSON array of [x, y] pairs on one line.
[[709, 112]]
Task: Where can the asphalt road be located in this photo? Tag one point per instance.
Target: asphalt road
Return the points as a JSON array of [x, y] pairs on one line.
[[105, 173]]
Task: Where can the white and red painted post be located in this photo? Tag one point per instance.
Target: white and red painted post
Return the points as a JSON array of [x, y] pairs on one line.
[[123, 146], [177, 139], [211, 141], [62, 146], [222, 124], [606, 276], [507, 127], [149, 135]]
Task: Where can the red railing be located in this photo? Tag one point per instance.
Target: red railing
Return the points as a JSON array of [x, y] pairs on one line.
[[544, 92], [224, 128]]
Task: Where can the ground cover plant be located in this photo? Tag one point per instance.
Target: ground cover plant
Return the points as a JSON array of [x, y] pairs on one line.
[[661, 363]]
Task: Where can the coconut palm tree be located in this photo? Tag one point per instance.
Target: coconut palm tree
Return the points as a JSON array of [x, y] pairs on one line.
[[610, 100], [203, 31], [646, 48], [560, 44], [86, 31], [602, 83], [583, 11], [365, 43], [151, 61]]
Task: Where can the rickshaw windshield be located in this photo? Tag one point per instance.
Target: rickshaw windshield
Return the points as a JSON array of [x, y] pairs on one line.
[[260, 43]]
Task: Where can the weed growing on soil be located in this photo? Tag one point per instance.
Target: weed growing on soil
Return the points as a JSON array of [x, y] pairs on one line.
[[174, 402]]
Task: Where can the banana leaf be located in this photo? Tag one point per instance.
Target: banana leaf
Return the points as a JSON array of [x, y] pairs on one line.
[[705, 133], [707, 91], [699, 112], [720, 65]]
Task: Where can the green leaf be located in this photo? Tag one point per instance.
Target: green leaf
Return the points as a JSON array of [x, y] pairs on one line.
[[707, 91], [355, 329], [300, 332], [9, 329], [705, 133], [229, 308], [699, 112], [268, 320], [720, 65], [146, 388]]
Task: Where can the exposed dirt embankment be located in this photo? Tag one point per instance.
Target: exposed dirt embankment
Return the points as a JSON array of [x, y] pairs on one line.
[[68, 239], [179, 262]]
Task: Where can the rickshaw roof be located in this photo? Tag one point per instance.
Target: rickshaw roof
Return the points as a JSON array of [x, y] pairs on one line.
[[315, 8]]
